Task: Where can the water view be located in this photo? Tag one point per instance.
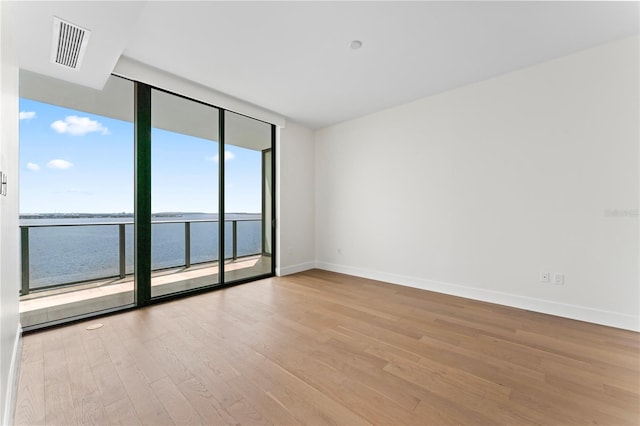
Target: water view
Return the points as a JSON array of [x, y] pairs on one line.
[[61, 253]]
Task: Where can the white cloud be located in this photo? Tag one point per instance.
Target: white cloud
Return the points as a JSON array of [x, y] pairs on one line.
[[27, 115], [228, 155], [78, 126], [59, 164], [33, 166]]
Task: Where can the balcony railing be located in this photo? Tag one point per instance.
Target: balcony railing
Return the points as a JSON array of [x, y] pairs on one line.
[[59, 255]]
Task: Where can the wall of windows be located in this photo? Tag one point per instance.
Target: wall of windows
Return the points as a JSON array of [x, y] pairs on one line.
[[133, 194]]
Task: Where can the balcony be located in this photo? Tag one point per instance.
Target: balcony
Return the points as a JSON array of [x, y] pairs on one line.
[[76, 269]]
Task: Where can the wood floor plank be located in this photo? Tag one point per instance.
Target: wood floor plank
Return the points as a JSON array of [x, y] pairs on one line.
[[376, 404], [110, 387], [205, 403], [59, 407], [94, 348], [33, 351], [324, 348], [30, 404], [148, 408], [84, 389], [145, 362], [178, 407], [246, 414], [272, 410], [308, 404], [121, 412]]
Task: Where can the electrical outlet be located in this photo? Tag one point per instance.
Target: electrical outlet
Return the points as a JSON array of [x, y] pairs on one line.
[[545, 277], [558, 279]]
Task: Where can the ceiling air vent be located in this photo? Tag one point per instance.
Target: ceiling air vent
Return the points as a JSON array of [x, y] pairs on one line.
[[69, 43]]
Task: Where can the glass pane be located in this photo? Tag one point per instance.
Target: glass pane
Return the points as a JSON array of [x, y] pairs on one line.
[[76, 198], [267, 183], [184, 194], [56, 261], [204, 241], [247, 198], [168, 245]]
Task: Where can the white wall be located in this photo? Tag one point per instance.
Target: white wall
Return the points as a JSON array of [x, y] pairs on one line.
[[475, 191], [295, 182], [9, 248]]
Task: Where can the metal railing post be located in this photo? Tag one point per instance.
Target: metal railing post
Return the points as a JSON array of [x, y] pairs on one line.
[[187, 244], [122, 255], [24, 255], [234, 238]]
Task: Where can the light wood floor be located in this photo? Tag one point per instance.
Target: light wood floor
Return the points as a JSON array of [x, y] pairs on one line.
[[324, 348]]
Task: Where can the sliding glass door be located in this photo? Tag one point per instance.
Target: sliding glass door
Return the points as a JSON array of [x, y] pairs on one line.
[[184, 194], [247, 197]]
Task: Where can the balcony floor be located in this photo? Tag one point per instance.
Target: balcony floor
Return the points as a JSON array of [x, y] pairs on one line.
[[51, 305]]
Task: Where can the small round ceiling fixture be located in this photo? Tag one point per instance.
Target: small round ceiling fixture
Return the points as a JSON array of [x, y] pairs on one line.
[[355, 44]]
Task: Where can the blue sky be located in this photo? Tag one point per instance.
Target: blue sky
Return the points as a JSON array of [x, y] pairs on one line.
[[74, 162]]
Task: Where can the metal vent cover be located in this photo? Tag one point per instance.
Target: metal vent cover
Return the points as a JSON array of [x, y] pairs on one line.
[[69, 43]]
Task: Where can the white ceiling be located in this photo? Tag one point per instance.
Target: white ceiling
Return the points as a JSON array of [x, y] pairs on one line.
[[293, 57], [111, 25]]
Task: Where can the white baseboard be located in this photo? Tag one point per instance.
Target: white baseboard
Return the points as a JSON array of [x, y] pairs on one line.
[[12, 380], [581, 313], [293, 269]]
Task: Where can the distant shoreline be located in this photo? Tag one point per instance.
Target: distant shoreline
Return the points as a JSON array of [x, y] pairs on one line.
[[113, 215], [72, 215]]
